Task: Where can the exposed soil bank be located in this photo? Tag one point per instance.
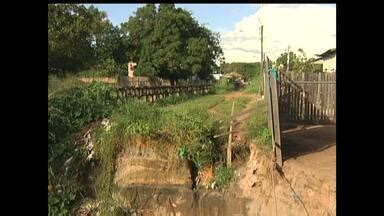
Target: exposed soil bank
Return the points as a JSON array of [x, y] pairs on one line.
[[179, 200]]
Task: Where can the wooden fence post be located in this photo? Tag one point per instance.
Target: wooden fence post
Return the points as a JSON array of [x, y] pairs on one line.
[[276, 122], [229, 146]]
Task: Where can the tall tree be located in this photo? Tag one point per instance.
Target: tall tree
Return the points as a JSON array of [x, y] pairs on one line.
[[171, 43], [138, 29], [72, 31]]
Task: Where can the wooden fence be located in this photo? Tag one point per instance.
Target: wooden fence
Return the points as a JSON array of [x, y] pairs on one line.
[[308, 97], [152, 93]]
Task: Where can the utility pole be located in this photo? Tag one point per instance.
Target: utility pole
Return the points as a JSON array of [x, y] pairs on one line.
[[288, 61], [262, 58]]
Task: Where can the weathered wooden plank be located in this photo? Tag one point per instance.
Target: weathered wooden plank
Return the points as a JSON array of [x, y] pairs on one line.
[[321, 105], [276, 123], [302, 106], [267, 97], [328, 98], [297, 104]]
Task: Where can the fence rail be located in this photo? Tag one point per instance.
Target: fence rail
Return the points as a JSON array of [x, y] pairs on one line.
[[152, 93]]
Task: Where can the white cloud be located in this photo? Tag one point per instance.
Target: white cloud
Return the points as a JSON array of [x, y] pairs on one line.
[[308, 26]]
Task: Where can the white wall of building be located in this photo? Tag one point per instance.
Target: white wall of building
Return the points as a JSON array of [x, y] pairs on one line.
[[329, 65]]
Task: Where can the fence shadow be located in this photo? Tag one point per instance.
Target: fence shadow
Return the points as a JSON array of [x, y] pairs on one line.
[[306, 139]]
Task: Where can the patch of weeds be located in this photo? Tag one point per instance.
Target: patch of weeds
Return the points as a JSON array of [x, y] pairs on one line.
[[223, 176], [255, 85], [224, 85], [257, 126]]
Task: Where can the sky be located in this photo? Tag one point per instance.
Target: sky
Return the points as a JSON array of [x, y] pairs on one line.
[[311, 27]]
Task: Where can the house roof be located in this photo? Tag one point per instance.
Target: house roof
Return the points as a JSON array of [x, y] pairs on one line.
[[328, 53]]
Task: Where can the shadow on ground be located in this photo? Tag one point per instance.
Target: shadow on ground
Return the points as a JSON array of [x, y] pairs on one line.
[[300, 140]]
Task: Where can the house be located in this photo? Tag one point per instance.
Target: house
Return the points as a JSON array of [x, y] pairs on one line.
[[328, 59]]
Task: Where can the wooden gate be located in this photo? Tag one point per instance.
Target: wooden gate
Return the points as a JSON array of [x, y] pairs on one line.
[[298, 97]]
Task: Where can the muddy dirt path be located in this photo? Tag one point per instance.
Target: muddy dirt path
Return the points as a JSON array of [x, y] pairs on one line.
[[239, 118]]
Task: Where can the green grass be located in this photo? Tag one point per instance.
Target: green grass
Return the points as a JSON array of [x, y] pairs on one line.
[[173, 100], [223, 176], [257, 126], [255, 85], [225, 107], [203, 102]]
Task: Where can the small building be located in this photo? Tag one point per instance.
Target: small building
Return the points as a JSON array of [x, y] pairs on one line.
[[328, 59], [131, 68]]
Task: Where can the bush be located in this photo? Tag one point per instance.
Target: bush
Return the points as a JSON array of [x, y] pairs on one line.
[[107, 68], [59, 203], [223, 85], [71, 109], [68, 111], [83, 104], [193, 130], [223, 175]]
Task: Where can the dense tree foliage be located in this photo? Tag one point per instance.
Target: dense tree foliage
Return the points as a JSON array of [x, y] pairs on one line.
[[168, 42], [164, 41], [80, 37], [298, 62]]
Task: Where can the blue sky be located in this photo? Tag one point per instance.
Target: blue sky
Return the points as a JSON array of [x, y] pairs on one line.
[[311, 27], [210, 14]]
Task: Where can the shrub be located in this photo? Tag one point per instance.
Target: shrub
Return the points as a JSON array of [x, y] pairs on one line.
[[223, 175], [82, 104], [68, 111], [59, 203], [223, 85]]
